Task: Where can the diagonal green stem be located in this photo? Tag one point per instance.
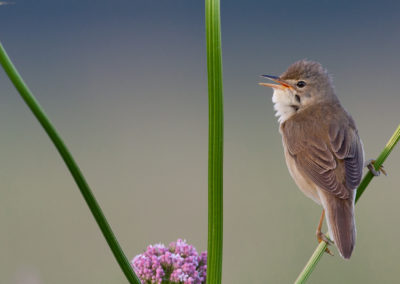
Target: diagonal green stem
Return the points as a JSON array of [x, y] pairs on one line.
[[215, 144], [94, 207], [316, 256]]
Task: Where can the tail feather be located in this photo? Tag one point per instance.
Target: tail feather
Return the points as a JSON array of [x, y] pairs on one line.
[[341, 223]]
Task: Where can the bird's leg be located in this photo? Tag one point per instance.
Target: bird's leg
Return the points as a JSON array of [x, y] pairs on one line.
[[370, 165], [321, 236]]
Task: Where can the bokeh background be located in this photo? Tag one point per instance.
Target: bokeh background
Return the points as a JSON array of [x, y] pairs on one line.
[[125, 84]]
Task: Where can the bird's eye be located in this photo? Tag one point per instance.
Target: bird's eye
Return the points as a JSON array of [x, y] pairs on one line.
[[301, 84]]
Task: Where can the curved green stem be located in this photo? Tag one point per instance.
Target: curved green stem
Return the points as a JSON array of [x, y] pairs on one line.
[[316, 256], [215, 144], [94, 207]]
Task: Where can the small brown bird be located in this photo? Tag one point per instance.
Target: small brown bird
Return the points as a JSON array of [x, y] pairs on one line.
[[322, 148]]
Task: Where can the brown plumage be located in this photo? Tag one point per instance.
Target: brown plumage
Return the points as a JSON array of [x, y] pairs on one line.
[[323, 151]]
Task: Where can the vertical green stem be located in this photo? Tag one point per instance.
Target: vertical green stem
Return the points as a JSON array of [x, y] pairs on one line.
[[215, 145], [94, 207], [316, 256]]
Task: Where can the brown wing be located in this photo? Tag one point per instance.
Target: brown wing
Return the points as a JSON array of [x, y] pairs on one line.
[[330, 155], [347, 146]]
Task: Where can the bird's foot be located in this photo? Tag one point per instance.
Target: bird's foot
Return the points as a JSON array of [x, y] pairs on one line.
[[322, 237], [370, 165]]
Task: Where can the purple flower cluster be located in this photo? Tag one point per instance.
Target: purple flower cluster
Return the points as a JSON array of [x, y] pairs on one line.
[[177, 263]]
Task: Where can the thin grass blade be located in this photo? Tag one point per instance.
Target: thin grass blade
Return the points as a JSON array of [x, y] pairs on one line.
[[76, 173], [215, 146]]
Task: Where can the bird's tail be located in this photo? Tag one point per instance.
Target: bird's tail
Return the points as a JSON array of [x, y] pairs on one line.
[[341, 223]]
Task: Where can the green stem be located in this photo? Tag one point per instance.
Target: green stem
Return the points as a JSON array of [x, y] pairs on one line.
[[215, 145], [316, 256], [94, 207]]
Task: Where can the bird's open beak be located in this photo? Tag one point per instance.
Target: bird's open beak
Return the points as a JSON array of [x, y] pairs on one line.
[[282, 84]]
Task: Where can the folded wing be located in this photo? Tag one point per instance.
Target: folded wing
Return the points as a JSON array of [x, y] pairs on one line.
[[331, 156]]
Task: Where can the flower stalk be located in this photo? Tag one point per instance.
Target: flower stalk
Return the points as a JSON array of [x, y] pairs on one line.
[[76, 173], [319, 251]]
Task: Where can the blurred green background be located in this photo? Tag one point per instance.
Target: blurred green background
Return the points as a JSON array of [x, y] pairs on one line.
[[125, 84]]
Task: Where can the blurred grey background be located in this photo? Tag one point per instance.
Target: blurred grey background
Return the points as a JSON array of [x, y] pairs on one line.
[[125, 84]]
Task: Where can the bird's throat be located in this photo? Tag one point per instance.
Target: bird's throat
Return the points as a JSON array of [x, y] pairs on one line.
[[285, 104]]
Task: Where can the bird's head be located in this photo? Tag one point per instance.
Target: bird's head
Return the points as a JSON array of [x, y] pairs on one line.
[[303, 84]]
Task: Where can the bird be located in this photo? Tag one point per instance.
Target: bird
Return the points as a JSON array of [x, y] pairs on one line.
[[322, 147]]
